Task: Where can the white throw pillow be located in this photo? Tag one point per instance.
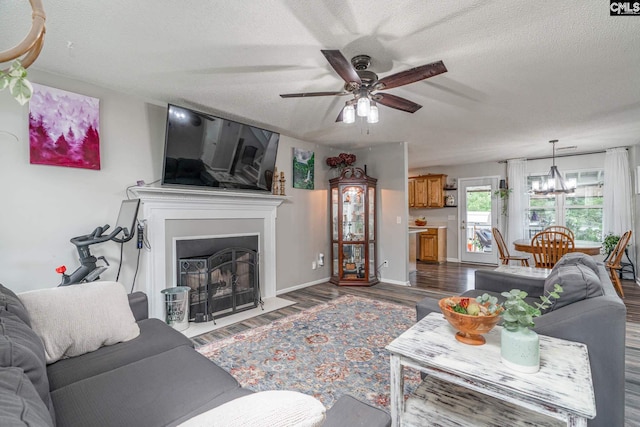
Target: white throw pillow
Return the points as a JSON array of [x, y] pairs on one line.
[[73, 320], [274, 408]]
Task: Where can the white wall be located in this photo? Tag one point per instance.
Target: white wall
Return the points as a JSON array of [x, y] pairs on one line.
[[44, 206], [303, 221], [388, 164]]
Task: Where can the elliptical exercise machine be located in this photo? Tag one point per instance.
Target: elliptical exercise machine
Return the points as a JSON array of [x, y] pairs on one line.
[[88, 271]]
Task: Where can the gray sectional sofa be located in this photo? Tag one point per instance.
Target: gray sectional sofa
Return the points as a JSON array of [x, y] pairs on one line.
[[588, 311], [155, 379]]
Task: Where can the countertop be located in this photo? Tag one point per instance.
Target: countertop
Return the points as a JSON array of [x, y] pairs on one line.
[[420, 228]]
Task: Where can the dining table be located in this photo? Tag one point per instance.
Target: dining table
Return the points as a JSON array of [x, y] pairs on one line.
[[584, 246]]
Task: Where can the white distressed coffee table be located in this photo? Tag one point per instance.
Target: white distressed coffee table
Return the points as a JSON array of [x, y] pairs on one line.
[[469, 386], [541, 273]]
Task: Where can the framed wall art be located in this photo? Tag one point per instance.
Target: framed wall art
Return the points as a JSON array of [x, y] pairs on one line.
[[303, 162], [64, 128]]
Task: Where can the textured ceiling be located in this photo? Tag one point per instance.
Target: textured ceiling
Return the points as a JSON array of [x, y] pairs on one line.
[[520, 72]]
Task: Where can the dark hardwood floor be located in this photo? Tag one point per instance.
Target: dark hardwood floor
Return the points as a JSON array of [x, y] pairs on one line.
[[435, 280], [456, 278], [438, 281]]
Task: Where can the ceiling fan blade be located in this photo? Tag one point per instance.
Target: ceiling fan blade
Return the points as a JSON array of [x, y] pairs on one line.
[[302, 95], [410, 76], [339, 118], [343, 67], [396, 102]]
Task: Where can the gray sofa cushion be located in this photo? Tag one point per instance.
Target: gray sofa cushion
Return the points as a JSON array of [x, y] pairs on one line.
[[20, 404], [10, 302], [20, 347], [578, 282], [156, 391], [348, 411], [155, 337], [577, 258]]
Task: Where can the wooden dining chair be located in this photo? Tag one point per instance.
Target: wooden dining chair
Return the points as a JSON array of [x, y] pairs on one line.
[[613, 262], [503, 251], [549, 246], [562, 229]]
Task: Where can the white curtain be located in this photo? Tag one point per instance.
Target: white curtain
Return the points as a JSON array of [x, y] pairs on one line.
[[617, 192], [518, 201]]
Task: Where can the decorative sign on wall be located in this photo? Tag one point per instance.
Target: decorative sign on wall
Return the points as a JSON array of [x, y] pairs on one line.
[[303, 162], [64, 128]]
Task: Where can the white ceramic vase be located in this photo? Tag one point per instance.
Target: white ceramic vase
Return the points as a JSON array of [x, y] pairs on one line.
[[520, 350]]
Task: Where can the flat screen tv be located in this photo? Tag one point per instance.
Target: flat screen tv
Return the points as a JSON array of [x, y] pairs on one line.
[[209, 151]]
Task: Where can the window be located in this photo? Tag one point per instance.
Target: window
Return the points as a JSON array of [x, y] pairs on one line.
[[581, 211]]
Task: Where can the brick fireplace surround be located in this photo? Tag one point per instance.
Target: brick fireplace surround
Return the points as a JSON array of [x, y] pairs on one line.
[[161, 206]]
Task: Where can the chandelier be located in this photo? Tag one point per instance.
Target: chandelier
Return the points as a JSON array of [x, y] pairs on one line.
[[554, 183]]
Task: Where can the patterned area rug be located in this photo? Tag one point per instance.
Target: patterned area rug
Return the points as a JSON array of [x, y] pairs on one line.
[[326, 351]]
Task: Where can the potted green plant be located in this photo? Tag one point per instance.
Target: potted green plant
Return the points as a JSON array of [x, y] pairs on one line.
[[609, 243], [519, 344], [15, 78], [503, 195], [477, 246]]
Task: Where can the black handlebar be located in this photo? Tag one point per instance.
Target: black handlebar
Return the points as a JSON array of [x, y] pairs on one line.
[[96, 236]]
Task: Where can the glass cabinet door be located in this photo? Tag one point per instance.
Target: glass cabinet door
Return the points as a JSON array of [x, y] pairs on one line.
[[372, 228], [353, 265], [352, 213], [334, 213], [372, 213], [372, 260], [334, 264]]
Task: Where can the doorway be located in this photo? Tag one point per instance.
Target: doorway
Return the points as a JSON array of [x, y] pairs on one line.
[[478, 214]]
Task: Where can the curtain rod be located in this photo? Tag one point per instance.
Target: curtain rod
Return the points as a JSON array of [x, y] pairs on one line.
[[563, 155]]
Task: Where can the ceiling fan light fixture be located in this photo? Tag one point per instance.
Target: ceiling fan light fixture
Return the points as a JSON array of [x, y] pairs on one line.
[[361, 83], [364, 105], [373, 116], [349, 114]]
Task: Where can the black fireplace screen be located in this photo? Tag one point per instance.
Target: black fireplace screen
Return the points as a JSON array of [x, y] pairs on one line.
[[221, 284]]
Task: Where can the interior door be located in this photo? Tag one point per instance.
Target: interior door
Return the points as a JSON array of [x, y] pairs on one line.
[[478, 214]]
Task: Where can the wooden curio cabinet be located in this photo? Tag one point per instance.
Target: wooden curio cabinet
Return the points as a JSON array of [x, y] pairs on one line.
[[353, 229]]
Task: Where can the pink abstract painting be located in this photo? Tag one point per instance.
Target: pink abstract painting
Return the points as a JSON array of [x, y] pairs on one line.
[[64, 128]]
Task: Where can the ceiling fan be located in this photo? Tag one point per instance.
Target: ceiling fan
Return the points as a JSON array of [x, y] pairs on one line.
[[364, 84]]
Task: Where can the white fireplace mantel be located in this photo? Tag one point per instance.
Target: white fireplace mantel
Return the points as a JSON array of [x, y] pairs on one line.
[[161, 204]]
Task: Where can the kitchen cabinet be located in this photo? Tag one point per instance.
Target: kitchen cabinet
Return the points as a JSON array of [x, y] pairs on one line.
[[427, 191], [412, 192], [433, 245], [353, 229]]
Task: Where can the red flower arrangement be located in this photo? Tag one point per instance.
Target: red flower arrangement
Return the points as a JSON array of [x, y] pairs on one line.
[[343, 160]]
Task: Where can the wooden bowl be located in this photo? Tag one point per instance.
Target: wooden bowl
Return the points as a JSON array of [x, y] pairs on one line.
[[421, 222], [470, 328]]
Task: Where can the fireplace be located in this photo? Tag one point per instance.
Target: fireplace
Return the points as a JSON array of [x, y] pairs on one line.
[[223, 283], [173, 214]]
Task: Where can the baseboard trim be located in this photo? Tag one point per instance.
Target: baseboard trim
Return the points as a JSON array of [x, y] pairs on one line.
[[395, 282], [453, 260], [302, 286], [326, 279]]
